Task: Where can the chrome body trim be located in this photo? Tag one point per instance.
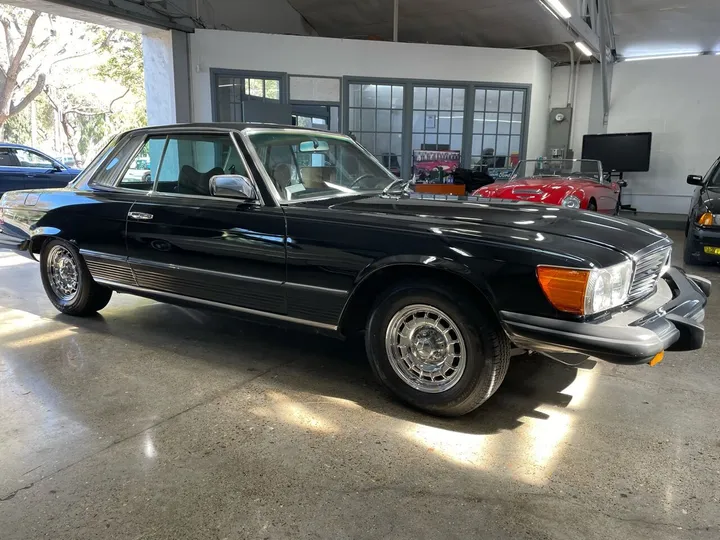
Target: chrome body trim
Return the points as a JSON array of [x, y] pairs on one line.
[[239, 277], [182, 268], [200, 301], [100, 255], [318, 288]]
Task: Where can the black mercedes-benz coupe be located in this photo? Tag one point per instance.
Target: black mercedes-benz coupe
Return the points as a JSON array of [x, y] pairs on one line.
[[306, 227], [702, 231]]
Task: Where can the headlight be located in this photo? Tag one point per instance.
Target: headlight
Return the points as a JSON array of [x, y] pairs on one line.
[[586, 292], [571, 201], [708, 219]]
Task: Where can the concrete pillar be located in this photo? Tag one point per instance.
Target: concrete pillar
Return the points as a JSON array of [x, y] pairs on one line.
[[167, 80], [596, 124]]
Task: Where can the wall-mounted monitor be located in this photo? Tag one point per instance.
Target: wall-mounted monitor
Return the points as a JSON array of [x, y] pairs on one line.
[[621, 152]]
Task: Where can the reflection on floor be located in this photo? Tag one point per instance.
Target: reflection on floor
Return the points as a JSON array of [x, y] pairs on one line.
[[153, 421]]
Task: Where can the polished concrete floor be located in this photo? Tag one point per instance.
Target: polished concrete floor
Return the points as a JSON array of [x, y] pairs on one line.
[[153, 421]]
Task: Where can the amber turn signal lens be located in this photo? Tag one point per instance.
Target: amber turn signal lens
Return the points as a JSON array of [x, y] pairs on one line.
[[657, 358], [564, 287], [706, 219]]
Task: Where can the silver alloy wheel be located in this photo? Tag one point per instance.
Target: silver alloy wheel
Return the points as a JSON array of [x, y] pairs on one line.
[[63, 273], [425, 348]]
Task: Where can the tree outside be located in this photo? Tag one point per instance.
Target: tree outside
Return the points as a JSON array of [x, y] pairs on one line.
[[66, 85]]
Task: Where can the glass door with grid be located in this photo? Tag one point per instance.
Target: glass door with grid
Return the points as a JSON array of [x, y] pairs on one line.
[[497, 128], [376, 121]]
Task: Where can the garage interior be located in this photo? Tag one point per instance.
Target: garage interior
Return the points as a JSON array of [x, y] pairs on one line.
[[153, 421]]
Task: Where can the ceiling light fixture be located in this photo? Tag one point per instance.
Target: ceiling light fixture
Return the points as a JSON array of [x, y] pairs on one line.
[[583, 48], [661, 56], [558, 7]]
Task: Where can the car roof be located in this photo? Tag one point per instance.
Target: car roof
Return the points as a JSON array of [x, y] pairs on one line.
[[15, 145], [230, 126]]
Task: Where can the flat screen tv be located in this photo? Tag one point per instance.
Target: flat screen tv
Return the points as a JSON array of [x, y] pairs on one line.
[[621, 152]]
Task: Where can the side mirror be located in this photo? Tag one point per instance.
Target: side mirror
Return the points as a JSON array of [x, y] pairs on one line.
[[695, 180], [57, 167], [234, 186], [622, 183]]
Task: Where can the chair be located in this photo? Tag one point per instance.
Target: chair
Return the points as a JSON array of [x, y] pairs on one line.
[[192, 182]]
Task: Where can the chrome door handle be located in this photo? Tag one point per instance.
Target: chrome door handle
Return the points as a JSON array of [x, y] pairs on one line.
[[142, 216]]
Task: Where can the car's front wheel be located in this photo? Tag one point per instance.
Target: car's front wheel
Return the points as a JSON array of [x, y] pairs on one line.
[[67, 280], [435, 349]]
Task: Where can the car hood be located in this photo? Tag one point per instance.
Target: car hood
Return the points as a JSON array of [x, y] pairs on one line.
[[535, 186], [478, 213]]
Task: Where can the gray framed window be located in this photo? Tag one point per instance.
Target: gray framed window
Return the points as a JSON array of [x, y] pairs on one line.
[[375, 120], [484, 122], [498, 127], [232, 88], [438, 118]]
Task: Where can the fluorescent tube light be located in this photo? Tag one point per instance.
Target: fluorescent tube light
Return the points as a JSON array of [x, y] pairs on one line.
[[661, 56], [558, 7], [583, 48]]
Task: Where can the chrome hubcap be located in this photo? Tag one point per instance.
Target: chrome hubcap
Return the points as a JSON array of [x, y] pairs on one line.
[[63, 273], [425, 348]]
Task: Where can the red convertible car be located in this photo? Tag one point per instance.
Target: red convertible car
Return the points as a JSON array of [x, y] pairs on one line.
[[572, 183]]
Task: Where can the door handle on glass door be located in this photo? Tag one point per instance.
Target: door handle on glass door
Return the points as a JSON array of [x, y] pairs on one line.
[[142, 216]]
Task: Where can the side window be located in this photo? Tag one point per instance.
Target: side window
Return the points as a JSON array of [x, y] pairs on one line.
[[31, 159], [8, 158], [108, 167], [143, 167], [713, 176], [190, 161]]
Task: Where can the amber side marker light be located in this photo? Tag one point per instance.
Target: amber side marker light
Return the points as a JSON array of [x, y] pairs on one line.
[[706, 219], [657, 358], [564, 287]]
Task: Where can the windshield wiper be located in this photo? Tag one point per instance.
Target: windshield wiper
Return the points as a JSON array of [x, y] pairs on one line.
[[394, 183]]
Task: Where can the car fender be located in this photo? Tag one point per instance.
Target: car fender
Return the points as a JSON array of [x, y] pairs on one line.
[[421, 261]]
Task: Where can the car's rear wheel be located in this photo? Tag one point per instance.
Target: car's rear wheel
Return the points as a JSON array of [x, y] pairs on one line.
[[435, 349], [67, 280]]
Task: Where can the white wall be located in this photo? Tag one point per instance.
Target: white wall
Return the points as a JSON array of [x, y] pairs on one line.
[[581, 107], [677, 100], [339, 57], [539, 108]]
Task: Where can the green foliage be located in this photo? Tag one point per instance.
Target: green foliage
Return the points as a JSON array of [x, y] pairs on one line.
[[125, 64], [73, 103]]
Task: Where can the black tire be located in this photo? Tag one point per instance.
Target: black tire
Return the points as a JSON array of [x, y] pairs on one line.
[[90, 296], [592, 207], [487, 348]]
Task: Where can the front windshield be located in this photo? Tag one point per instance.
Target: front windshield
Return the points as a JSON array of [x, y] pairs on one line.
[[560, 168], [308, 164]]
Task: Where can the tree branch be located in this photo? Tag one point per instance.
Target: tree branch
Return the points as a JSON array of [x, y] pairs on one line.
[[35, 92], [14, 66], [8, 38], [127, 91], [93, 51]]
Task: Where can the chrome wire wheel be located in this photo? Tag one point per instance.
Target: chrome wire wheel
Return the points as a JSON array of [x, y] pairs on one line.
[[425, 348], [63, 273]]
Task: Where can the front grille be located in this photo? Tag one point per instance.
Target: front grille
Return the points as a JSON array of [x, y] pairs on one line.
[[647, 271]]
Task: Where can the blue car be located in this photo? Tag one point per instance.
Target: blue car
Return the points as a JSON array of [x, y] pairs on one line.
[[22, 167]]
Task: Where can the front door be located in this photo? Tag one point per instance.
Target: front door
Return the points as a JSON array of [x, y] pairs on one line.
[[183, 241], [12, 175], [40, 171]]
